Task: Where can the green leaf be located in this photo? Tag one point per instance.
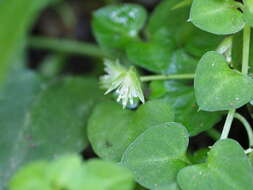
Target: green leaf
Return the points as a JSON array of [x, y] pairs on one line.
[[152, 56], [251, 158], [112, 176], [153, 113], [15, 103], [32, 176], [181, 63], [61, 128], [217, 87], [47, 123], [66, 172], [69, 172], [16, 18], [114, 26], [111, 129], [248, 12], [162, 24], [157, 155], [199, 42], [225, 161], [218, 17], [181, 98]]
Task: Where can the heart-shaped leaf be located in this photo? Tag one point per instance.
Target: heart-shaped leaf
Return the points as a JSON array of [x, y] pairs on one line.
[[217, 16], [217, 87], [157, 155], [227, 168], [111, 129]]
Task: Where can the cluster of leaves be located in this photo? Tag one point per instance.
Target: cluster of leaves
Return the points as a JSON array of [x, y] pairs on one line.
[[150, 140], [69, 172]]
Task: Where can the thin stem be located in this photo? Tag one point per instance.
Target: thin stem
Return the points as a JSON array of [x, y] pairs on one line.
[[213, 133], [167, 77], [227, 125], [246, 46], [66, 46], [247, 127]]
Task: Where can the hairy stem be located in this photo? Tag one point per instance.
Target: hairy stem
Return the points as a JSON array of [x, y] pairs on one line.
[[66, 46], [167, 77]]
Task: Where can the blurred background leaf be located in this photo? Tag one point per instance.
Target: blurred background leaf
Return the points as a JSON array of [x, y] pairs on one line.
[[16, 17], [40, 121]]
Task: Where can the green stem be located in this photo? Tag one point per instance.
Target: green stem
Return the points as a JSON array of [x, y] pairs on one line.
[[246, 46], [167, 77], [245, 65], [247, 127], [227, 125], [66, 46]]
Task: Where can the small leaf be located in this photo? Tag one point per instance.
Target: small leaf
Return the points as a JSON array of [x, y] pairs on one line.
[[115, 26], [162, 24], [157, 155], [111, 129], [69, 172], [218, 17], [225, 161], [217, 87], [32, 176], [152, 56], [109, 174], [66, 172]]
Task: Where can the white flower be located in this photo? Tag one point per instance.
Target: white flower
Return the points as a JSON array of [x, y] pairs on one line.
[[125, 81]]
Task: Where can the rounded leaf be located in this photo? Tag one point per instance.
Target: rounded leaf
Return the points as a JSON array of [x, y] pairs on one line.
[[227, 168], [157, 155], [217, 16], [217, 87], [111, 129]]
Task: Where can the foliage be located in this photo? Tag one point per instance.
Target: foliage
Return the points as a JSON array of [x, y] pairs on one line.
[[174, 70], [69, 172]]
